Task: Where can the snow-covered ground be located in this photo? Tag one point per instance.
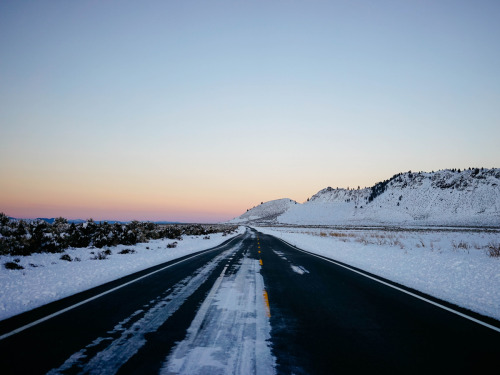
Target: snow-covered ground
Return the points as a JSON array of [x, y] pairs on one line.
[[266, 211], [453, 265], [47, 278]]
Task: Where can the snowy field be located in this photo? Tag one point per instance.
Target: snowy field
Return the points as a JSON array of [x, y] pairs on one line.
[[47, 278], [454, 266]]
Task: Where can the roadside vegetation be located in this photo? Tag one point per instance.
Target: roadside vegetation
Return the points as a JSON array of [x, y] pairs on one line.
[[21, 238], [406, 238]]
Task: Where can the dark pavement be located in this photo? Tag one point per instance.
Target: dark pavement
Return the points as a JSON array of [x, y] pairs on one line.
[[324, 319]]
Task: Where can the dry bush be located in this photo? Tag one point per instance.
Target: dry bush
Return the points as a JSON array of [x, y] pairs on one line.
[[363, 240], [461, 245], [13, 266], [341, 235], [101, 255], [398, 243], [420, 243], [494, 249], [66, 257], [127, 251]]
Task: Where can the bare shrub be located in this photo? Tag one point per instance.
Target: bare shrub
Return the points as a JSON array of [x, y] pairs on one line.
[[399, 243], [13, 266], [127, 251], [420, 243], [101, 255], [362, 240], [341, 235], [462, 245], [66, 257], [494, 249]]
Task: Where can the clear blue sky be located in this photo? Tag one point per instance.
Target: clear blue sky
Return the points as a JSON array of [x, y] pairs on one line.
[[198, 110]]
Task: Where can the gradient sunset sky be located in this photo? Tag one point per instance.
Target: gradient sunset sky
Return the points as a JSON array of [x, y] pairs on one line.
[[198, 110]]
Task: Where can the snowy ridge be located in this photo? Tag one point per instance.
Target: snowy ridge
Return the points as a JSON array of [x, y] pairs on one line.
[[266, 212], [446, 197]]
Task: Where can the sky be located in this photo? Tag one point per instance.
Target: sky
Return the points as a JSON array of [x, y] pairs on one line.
[[197, 110]]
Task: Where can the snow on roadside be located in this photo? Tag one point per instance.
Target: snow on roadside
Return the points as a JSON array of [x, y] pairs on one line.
[[47, 278], [451, 265]]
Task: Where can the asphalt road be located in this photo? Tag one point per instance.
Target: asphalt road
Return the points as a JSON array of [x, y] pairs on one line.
[[251, 305]]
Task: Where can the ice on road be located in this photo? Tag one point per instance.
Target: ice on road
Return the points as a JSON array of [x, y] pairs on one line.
[[230, 333]]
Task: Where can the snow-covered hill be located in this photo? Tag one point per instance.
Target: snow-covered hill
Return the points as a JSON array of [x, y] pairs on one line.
[[266, 212], [447, 197]]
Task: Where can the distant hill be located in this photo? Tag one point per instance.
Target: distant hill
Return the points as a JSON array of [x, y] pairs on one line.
[[266, 212], [446, 197]]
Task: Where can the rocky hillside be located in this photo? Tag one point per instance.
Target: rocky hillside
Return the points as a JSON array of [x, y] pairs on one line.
[[447, 197]]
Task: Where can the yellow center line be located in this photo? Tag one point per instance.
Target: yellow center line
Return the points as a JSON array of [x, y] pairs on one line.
[[266, 300]]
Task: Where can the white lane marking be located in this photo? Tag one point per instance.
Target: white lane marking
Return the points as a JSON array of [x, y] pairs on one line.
[[299, 269], [41, 320], [484, 324], [280, 254]]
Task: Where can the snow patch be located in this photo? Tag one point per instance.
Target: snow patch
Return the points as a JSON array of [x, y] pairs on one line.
[[230, 332], [299, 269]]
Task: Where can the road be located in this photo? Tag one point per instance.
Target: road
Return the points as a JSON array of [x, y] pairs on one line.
[[251, 305]]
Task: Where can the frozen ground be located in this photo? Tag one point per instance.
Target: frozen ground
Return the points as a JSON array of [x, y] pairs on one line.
[[47, 278], [451, 265]]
